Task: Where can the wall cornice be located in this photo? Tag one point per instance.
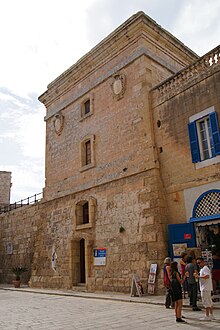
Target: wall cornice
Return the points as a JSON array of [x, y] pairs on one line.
[[62, 104], [124, 36]]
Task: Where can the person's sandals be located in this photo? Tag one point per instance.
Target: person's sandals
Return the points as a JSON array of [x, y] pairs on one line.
[[180, 320]]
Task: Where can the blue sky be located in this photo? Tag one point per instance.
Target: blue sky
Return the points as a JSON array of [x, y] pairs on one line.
[[42, 38]]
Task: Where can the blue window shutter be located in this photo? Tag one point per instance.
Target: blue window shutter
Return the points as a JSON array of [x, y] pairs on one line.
[[215, 132], [194, 144]]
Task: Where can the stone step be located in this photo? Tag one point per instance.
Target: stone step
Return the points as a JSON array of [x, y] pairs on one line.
[[79, 287]]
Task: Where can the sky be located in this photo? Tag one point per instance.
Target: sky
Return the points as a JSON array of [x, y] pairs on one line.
[[40, 39]]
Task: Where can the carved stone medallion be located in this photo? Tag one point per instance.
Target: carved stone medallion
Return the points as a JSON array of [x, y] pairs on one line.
[[58, 123], [118, 86]]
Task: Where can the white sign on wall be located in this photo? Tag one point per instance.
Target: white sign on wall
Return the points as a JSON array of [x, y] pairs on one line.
[[99, 257]]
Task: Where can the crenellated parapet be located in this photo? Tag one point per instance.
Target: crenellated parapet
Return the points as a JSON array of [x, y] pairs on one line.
[[186, 77]]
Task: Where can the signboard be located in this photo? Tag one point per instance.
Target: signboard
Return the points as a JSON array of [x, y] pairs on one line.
[[178, 249], [136, 286], [152, 278], [187, 236], [99, 257]]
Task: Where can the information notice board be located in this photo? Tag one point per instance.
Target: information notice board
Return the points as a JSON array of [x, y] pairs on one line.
[[152, 278], [99, 257]]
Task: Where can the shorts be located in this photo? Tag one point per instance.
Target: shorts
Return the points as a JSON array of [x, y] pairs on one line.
[[206, 299]]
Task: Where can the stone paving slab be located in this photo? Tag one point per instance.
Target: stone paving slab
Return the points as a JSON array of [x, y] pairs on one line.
[[26, 310], [145, 299]]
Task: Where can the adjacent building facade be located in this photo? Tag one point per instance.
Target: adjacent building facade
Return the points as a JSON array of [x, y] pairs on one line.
[[118, 162]]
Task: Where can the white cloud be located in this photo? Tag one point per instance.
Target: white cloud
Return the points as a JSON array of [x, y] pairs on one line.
[[22, 143], [40, 40], [198, 25], [25, 179]]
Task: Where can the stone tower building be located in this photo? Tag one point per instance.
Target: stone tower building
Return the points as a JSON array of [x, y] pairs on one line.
[[102, 173], [5, 188], [132, 147]]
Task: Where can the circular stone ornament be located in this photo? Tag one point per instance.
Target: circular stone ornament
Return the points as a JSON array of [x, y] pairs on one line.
[[118, 85], [58, 123]]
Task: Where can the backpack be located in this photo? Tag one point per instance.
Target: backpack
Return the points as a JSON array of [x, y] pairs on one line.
[[166, 278]]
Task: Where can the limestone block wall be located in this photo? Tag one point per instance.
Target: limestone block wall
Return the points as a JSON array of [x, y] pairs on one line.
[[18, 232], [31, 234], [5, 188], [54, 236], [135, 203]]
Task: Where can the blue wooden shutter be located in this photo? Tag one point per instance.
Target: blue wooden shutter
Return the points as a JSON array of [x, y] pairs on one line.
[[215, 132], [194, 144]]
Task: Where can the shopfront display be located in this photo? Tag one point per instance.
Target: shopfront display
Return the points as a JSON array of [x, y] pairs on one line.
[[201, 234]]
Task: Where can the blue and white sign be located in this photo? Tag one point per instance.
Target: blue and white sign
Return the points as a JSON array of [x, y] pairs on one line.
[[99, 257]]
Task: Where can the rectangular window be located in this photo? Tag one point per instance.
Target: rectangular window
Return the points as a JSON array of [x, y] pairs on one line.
[[204, 137], [87, 107], [85, 213], [87, 153], [88, 157]]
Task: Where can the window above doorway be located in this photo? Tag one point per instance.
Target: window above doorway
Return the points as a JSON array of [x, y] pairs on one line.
[[85, 211]]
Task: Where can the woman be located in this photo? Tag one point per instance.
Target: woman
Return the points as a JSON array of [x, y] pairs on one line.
[[176, 286], [167, 283]]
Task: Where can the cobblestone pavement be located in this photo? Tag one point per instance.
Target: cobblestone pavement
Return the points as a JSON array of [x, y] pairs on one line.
[[28, 310]]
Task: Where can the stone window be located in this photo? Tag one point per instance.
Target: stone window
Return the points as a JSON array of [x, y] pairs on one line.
[[204, 136], [85, 213], [87, 107], [87, 153]]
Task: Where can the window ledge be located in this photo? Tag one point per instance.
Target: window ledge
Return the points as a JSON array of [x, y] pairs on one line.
[[83, 226], [87, 167], [86, 116], [208, 162]]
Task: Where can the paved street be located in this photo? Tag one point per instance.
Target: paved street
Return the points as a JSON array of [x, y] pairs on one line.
[[28, 310]]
